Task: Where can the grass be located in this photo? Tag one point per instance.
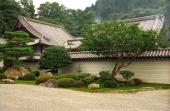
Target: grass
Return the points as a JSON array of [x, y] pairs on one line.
[[128, 89], [23, 82], [32, 82]]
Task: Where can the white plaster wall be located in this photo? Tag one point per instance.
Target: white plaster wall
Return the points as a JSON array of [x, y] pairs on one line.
[[153, 71]]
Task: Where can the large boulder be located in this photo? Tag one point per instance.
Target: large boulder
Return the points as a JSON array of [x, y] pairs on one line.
[[8, 81], [16, 71]]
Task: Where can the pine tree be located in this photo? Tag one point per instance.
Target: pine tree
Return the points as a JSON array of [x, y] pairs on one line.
[[16, 47]]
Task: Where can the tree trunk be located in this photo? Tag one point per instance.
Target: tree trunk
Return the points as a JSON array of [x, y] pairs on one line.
[[115, 69], [120, 63]]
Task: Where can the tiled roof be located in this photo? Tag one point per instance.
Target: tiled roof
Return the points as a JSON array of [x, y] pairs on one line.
[[163, 53], [88, 55], [49, 34]]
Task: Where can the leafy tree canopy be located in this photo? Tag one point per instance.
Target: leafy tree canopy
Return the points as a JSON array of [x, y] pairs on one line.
[[28, 8], [119, 39], [72, 20], [10, 10], [122, 9]]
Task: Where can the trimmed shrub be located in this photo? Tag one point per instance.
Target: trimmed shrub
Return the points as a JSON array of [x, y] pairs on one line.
[[78, 83], [130, 83], [137, 81], [55, 57], [111, 84], [66, 82], [93, 86], [105, 75], [44, 77], [73, 76], [2, 76], [30, 76], [84, 75], [37, 73], [127, 74], [89, 79]]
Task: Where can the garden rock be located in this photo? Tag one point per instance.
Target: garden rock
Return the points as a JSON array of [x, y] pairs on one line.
[[93, 86], [50, 83], [16, 71], [8, 81]]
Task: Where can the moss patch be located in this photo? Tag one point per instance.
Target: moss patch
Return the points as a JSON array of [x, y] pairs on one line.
[[128, 89]]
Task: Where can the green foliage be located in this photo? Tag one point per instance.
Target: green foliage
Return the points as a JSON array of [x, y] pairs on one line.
[[10, 10], [130, 83], [28, 8], [73, 20], [116, 39], [89, 79], [16, 47], [2, 76], [72, 76], [111, 84], [54, 58], [83, 75], [78, 83], [18, 34], [109, 37], [30, 76], [36, 73], [104, 76], [43, 78], [65, 82], [127, 74], [167, 23], [122, 9]]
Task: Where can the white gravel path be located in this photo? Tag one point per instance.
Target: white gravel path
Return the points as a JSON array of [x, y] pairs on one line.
[[36, 98]]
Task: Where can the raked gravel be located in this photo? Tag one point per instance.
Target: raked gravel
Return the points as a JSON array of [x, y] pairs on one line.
[[36, 98]]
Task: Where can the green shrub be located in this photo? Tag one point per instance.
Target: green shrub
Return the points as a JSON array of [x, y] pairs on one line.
[[44, 77], [78, 83], [55, 57], [66, 82], [1, 71], [73, 76], [130, 83], [89, 79], [37, 73], [137, 81], [84, 75], [105, 75], [127, 74], [30, 76], [111, 84], [2, 76]]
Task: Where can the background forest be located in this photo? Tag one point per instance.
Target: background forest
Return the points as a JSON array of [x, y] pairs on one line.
[[75, 20]]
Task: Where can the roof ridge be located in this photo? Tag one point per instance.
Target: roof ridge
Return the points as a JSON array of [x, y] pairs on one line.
[[79, 52], [142, 18], [42, 22]]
